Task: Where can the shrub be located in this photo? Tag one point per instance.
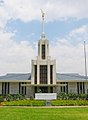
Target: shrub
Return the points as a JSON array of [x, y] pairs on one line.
[[72, 96], [82, 96], [9, 97], [62, 96], [1, 98]]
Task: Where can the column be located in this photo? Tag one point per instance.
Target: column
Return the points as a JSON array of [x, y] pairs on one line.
[[54, 74], [48, 72], [85, 84], [32, 73], [54, 89]]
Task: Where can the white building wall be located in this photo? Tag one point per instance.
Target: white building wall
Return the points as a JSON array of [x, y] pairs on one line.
[[72, 87], [58, 89], [14, 88], [54, 72], [29, 91]]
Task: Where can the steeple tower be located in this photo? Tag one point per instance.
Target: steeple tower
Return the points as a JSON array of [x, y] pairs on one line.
[[43, 73]]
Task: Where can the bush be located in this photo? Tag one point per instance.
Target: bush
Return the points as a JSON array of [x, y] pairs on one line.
[[62, 96], [72, 96], [1, 98], [9, 97], [82, 96]]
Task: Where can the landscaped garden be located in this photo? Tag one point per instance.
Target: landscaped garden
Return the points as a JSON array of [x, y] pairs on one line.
[[63, 99]]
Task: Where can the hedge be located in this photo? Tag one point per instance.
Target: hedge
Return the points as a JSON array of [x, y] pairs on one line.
[[43, 103], [69, 102], [24, 103]]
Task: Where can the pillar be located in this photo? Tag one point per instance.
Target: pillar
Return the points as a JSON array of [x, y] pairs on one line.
[[32, 73], [54, 74], [48, 73]]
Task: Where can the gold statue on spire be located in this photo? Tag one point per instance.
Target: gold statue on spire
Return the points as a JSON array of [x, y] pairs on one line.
[[42, 14]]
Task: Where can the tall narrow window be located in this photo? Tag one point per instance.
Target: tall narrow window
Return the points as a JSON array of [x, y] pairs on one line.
[[64, 88], [43, 74], [22, 89], [5, 88], [43, 51], [35, 74], [36, 90], [80, 87], [51, 74]]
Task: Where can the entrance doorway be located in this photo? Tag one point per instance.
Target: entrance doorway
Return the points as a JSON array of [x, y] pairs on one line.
[[41, 89], [44, 89]]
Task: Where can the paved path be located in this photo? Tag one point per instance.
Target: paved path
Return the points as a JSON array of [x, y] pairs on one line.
[[44, 106]]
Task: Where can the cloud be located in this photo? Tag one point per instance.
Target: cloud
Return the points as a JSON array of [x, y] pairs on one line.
[[70, 57], [15, 57], [3, 17], [54, 9], [80, 33]]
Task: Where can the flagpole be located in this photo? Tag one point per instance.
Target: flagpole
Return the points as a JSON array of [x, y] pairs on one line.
[[85, 61]]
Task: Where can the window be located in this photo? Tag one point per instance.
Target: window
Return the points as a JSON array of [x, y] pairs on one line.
[[5, 88], [22, 89], [80, 88], [43, 74], [43, 51], [64, 88], [35, 74], [51, 89], [51, 74], [36, 89]]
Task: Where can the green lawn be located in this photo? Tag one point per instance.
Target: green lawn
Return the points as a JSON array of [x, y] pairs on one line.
[[43, 113]]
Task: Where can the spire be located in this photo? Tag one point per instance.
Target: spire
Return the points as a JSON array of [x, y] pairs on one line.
[[43, 14]]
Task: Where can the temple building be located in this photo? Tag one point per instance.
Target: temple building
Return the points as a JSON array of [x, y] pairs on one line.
[[43, 77]]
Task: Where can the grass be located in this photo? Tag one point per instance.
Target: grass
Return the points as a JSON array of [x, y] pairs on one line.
[[11, 113]]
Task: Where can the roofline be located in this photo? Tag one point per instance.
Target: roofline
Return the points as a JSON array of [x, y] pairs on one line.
[[57, 81], [15, 81], [43, 85], [71, 81]]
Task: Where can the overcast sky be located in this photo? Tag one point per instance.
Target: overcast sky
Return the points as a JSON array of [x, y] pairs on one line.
[[66, 28]]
